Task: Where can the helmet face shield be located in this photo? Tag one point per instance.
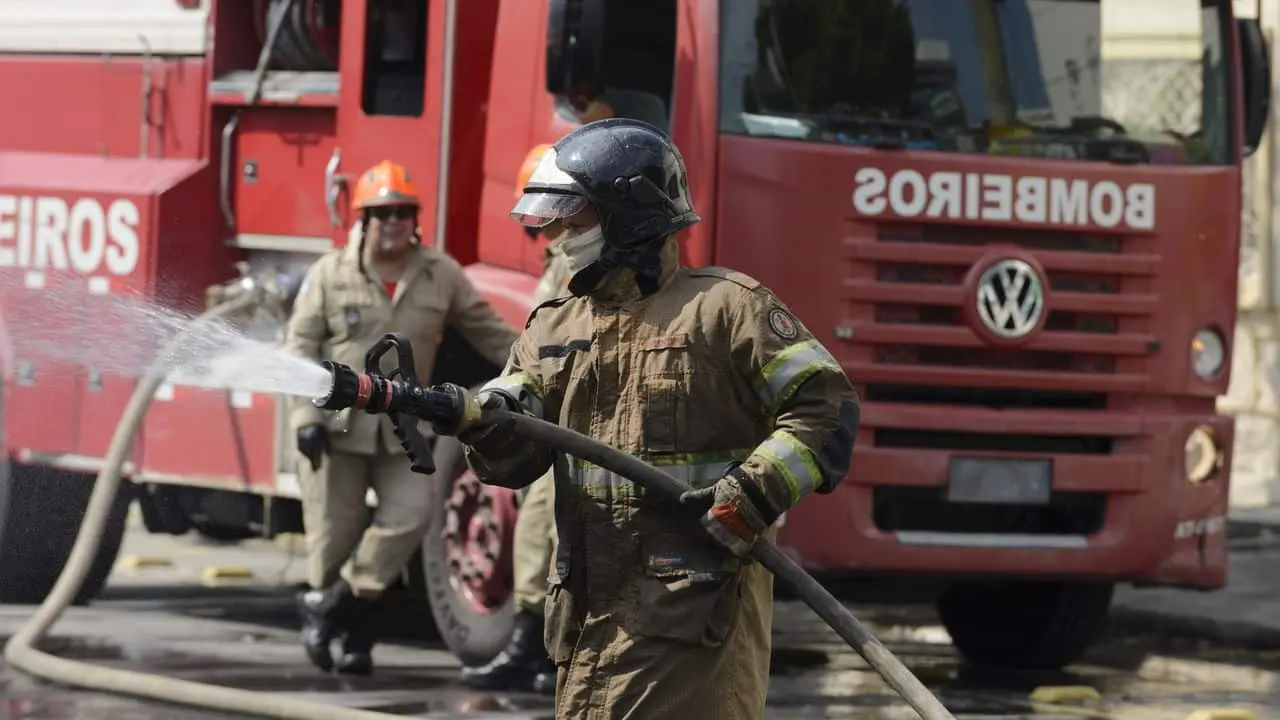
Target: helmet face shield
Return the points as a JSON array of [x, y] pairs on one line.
[[539, 209], [549, 194]]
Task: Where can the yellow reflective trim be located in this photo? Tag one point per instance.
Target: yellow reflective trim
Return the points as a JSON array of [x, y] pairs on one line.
[[794, 461], [594, 479], [787, 370], [666, 460]]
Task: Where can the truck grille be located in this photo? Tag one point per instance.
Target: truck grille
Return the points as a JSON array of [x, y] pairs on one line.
[[910, 342], [906, 296]]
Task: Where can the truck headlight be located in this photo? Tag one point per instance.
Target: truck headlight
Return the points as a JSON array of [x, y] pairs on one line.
[[1201, 455], [1208, 354]]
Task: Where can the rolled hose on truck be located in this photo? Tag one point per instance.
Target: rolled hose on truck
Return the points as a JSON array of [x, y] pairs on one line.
[[20, 652]]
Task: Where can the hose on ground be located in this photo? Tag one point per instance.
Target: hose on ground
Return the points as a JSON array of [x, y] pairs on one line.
[[884, 662], [20, 652]]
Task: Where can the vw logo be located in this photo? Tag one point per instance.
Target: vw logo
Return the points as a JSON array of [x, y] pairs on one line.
[[1010, 298]]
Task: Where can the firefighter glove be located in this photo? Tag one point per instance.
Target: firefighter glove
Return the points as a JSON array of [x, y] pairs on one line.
[[729, 514], [456, 410], [452, 409], [313, 443], [495, 438]]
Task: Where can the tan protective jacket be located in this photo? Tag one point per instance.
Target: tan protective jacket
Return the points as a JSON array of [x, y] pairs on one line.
[[342, 309], [646, 614]]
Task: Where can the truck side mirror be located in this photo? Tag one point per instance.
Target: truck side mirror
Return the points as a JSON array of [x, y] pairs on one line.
[[575, 54], [1255, 67]]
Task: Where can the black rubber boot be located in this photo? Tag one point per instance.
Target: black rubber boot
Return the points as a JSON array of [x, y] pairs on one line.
[[357, 644], [320, 610], [522, 665]]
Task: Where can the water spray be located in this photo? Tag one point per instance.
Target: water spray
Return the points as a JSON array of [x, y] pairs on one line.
[[21, 653], [400, 395]]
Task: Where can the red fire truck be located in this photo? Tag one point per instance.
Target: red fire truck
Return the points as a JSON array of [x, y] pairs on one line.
[[1028, 272]]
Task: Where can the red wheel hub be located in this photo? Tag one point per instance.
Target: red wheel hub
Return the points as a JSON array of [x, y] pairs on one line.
[[479, 523]]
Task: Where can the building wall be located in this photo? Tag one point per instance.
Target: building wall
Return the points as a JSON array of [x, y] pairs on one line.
[[1255, 379]]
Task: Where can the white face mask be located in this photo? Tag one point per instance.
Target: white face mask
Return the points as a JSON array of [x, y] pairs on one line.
[[582, 249]]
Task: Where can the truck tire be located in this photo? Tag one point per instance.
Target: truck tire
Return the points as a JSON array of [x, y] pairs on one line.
[[1024, 625], [469, 589], [40, 513]]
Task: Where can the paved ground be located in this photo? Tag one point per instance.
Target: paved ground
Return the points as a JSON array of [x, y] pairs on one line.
[[242, 633], [1246, 613]]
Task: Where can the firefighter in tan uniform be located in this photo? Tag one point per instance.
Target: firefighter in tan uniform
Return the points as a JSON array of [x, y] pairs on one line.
[[384, 280], [705, 373], [524, 664]]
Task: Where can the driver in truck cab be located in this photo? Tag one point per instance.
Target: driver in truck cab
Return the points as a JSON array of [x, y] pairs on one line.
[[619, 102], [384, 280], [651, 610]]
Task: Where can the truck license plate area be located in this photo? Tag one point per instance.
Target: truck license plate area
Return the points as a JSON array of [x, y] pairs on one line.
[[999, 481]]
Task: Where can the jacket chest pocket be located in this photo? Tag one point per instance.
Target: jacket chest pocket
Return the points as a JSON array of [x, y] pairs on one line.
[[352, 316], [430, 313], [665, 369], [564, 367]]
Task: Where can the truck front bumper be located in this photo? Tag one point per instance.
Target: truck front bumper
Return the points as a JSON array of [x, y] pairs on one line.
[[1149, 523]]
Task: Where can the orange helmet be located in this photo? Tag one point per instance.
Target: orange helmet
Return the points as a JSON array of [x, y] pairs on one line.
[[526, 169], [384, 184]]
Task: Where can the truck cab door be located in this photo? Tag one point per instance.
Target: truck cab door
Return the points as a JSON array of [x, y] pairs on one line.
[[389, 102]]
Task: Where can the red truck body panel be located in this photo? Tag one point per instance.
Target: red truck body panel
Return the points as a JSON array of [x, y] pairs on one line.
[[888, 292]]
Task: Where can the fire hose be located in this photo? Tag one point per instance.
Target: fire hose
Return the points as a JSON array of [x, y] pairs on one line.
[[404, 399], [20, 652], [407, 401]]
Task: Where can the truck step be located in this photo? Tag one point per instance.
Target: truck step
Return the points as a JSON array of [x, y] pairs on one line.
[[279, 87]]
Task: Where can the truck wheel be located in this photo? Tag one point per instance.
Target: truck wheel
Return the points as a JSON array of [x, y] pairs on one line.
[[467, 558], [1024, 625], [40, 513]]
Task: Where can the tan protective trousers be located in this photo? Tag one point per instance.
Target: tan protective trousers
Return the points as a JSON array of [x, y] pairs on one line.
[[340, 536], [535, 544], [617, 674]]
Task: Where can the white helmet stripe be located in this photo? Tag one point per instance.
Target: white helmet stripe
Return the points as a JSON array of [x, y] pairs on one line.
[[546, 174]]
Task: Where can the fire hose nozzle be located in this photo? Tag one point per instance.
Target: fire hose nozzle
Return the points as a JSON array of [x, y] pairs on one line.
[[344, 390], [373, 393], [404, 402]]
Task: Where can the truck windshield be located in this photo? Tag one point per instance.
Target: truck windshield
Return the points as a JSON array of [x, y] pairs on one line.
[[1135, 81]]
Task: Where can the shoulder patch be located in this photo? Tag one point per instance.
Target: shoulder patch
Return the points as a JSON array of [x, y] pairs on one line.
[[553, 302], [733, 276], [782, 324]]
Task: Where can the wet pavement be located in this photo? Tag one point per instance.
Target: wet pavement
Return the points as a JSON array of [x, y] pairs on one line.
[[245, 637]]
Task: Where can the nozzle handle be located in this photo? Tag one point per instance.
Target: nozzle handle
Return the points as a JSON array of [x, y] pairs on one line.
[[414, 443]]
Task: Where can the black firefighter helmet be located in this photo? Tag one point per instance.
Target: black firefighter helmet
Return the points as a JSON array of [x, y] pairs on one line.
[[634, 177]]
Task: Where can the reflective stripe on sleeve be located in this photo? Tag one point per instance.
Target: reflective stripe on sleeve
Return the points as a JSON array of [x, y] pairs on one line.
[[521, 386], [795, 462], [788, 369]]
